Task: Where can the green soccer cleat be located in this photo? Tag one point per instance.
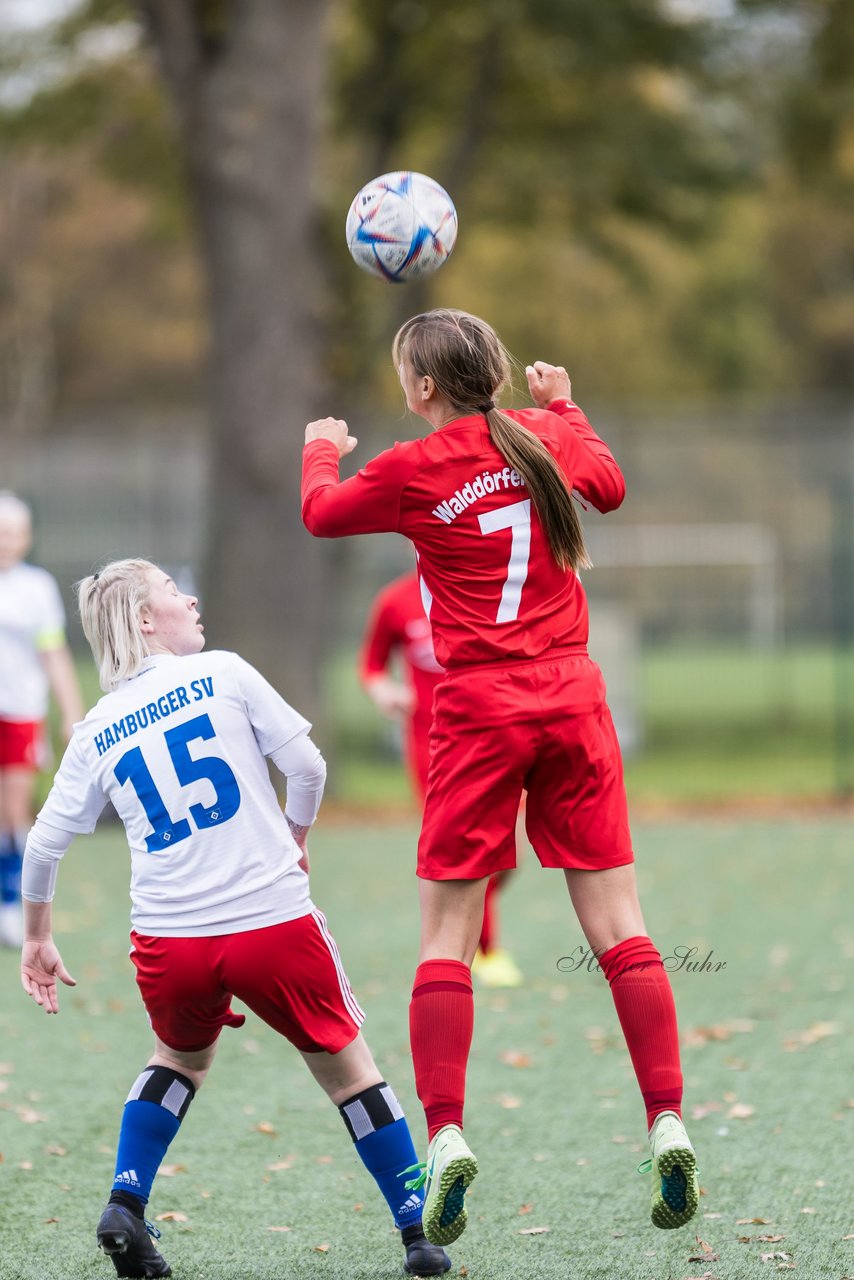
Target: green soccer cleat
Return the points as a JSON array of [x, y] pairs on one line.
[[448, 1173], [675, 1189]]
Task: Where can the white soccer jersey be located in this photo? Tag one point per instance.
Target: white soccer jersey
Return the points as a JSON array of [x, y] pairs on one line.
[[32, 620], [180, 751]]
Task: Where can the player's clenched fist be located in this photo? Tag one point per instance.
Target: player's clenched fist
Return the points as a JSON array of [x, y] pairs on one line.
[[334, 429], [548, 382]]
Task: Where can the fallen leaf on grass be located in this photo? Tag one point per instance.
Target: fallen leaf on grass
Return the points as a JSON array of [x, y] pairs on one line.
[[280, 1228], [508, 1102], [56, 1151], [706, 1253], [809, 1210], [512, 1058], [759, 1222], [321, 1248], [29, 1116], [51, 1220], [772, 1257], [265, 1127], [794, 1040], [770, 1239], [6, 1068], [280, 1164], [702, 1109], [170, 1170], [534, 1231], [696, 1037], [525, 1208], [171, 1217], [463, 1271], [740, 1111]]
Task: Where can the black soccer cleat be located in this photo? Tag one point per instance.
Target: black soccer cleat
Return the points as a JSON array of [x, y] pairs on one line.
[[127, 1240], [422, 1257]]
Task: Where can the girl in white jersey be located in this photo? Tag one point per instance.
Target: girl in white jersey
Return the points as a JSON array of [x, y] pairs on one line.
[[34, 660], [219, 890]]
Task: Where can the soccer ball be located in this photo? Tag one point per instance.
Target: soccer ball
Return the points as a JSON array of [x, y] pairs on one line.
[[401, 226]]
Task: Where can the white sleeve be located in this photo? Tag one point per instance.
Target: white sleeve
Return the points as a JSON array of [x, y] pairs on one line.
[[305, 769], [274, 721], [75, 801], [45, 846]]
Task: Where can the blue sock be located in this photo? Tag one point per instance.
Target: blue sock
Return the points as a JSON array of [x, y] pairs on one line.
[[377, 1125], [10, 869], [155, 1107]]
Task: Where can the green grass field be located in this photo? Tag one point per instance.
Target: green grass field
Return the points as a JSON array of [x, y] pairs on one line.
[[553, 1114]]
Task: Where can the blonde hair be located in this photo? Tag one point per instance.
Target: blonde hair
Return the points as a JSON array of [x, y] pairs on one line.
[[109, 602], [469, 366]]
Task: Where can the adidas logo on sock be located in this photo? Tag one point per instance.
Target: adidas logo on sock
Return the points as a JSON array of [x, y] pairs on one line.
[[412, 1205], [129, 1176]]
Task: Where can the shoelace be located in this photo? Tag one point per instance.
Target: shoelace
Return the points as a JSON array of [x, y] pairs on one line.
[[152, 1230], [415, 1184]]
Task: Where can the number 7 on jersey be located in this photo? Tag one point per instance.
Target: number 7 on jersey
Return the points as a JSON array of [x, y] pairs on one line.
[[517, 518]]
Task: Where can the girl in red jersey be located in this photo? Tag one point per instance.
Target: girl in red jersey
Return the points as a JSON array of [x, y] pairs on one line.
[[485, 498], [398, 625]]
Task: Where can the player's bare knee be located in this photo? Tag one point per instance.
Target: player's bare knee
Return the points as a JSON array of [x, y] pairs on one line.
[[194, 1065]]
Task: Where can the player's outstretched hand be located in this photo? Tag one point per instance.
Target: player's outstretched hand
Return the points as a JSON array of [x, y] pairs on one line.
[[548, 382], [391, 697], [41, 965], [334, 429]]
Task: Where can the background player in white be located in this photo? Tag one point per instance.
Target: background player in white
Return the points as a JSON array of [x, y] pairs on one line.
[[33, 658], [219, 890]]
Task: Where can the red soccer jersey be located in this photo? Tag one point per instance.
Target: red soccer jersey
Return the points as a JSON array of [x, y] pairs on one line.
[[398, 623], [491, 587]]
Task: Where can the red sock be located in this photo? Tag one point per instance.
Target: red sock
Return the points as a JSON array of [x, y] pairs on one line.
[[441, 1020], [488, 930], [644, 1001]]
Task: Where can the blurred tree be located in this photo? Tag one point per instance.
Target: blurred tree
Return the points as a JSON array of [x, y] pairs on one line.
[[558, 126], [247, 83]]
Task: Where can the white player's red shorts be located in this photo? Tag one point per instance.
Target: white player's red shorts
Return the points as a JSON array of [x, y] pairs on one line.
[[541, 725], [289, 974], [21, 744]]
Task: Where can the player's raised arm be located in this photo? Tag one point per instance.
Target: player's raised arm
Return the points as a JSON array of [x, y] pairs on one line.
[[368, 502], [593, 469]]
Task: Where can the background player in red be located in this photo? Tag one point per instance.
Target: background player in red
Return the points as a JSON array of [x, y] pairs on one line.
[[398, 627], [485, 498]]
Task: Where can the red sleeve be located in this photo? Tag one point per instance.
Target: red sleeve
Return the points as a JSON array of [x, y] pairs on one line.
[[366, 503], [381, 638], [592, 466]]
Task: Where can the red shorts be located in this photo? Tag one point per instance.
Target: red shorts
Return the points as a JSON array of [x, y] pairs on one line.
[[22, 744], [289, 974], [542, 726], [417, 749]]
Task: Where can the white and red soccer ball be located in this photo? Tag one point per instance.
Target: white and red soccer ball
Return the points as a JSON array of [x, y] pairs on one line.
[[401, 226]]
